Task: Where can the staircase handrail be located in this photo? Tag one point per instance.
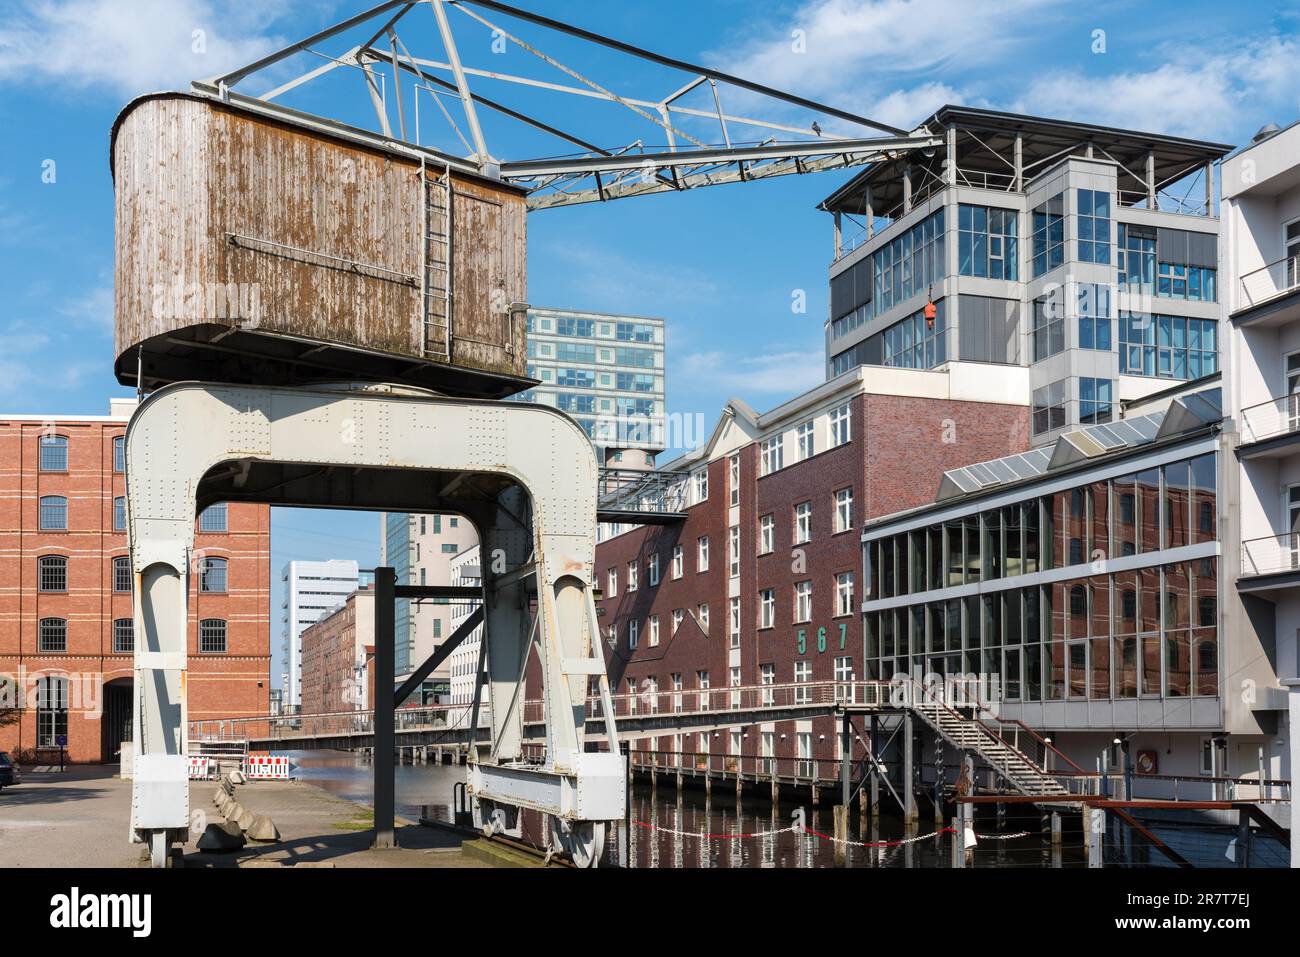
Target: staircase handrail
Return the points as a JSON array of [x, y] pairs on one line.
[[995, 736]]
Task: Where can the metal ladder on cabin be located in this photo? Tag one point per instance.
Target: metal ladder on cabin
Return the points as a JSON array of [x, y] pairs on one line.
[[970, 734], [436, 277]]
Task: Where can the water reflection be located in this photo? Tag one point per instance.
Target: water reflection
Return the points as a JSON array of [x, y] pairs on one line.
[[690, 830], [680, 819]]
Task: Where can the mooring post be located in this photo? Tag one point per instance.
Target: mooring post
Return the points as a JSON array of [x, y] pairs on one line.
[[841, 817], [1056, 829], [1096, 830], [909, 771], [846, 765], [385, 581], [958, 853], [968, 853], [873, 743], [1243, 838]]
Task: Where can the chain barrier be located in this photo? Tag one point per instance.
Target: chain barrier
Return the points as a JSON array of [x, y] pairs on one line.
[[799, 826]]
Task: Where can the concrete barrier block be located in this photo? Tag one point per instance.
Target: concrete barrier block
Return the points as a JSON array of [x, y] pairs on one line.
[[221, 837], [262, 829]]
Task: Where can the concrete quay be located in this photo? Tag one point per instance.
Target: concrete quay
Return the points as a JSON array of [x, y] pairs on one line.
[[78, 818]]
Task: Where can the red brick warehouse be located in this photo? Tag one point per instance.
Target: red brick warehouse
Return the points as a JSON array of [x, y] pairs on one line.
[[771, 550], [66, 635]]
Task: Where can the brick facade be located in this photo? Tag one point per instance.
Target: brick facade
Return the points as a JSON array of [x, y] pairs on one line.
[[899, 447], [334, 655], [234, 683]]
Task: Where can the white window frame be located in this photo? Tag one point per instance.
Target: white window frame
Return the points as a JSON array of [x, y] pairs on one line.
[[843, 595], [771, 454], [677, 563], [631, 575], [653, 632], [803, 523], [678, 616], [633, 634], [805, 436], [654, 569], [844, 510], [702, 554], [767, 608], [803, 592], [802, 676], [733, 622], [766, 534], [839, 425], [700, 485], [702, 616], [733, 475], [733, 547]]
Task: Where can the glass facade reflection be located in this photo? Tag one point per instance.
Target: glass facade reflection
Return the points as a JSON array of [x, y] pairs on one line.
[[1092, 633]]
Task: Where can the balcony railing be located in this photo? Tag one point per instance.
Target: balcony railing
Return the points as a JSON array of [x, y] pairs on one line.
[[1267, 420], [1268, 556], [1270, 281]]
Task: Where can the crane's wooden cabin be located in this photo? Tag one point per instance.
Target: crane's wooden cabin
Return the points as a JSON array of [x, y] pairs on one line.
[[263, 249]]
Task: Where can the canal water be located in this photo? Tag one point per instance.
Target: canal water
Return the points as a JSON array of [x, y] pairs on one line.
[[692, 830]]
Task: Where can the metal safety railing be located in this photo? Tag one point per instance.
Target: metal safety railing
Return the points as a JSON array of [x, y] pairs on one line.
[[650, 701], [632, 490], [329, 724], [1270, 281], [1278, 416], [1271, 554]]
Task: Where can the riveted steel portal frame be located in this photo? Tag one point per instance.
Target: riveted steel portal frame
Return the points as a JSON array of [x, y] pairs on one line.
[[524, 474]]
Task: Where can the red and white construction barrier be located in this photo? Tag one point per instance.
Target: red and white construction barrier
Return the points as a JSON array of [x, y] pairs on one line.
[[266, 767], [201, 768]]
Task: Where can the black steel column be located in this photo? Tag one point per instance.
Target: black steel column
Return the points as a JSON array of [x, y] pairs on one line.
[[385, 613]]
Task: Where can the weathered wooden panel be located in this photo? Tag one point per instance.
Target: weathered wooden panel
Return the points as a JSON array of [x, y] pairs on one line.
[[237, 233]]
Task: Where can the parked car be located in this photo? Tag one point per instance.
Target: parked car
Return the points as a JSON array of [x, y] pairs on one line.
[[8, 770]]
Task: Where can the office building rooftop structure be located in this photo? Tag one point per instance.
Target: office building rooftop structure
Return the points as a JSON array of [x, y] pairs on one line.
[[1084, 253]]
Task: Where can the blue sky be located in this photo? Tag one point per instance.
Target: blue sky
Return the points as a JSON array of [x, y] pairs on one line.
[[720, 264]]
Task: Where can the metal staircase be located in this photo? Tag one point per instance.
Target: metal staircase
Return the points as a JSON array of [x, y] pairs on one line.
[[1022, 772]]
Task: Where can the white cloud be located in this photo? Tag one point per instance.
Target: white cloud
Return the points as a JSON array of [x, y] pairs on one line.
[[599, 277], [781, 371], [1199, 91], [131, 46], [849, 45], [94, 309]]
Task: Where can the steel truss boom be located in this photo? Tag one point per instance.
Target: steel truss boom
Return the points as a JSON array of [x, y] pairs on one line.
[[600, 172]]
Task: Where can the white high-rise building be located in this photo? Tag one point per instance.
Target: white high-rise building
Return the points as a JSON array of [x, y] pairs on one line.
[[1260, 262], [466, 573], [420, 549], [607, 372], [311, 589]]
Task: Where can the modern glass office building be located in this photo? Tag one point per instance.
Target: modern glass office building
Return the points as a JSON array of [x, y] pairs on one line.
[[1085, 584], [606, 371], [1059, 247]]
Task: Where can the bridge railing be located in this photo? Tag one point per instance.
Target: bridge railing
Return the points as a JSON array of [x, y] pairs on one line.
[[651, 700], [646, 702], [329, 724]]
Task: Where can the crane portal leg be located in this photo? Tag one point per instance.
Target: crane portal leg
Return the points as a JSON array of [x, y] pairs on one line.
[[380, 447]]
